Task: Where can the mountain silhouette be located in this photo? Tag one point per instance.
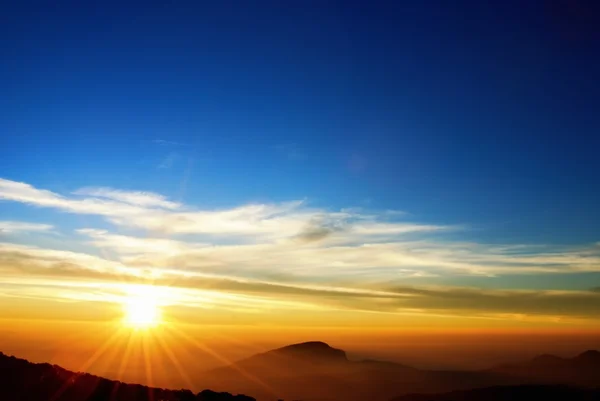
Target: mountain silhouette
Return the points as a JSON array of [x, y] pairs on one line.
[[315, 351], [21, 380], [591, 357], [315, 371], [581, 370]]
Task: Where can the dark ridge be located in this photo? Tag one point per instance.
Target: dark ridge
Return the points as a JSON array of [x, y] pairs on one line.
[[313, 371], [581, 370], [209, 395], [589, 355], [22, 380]]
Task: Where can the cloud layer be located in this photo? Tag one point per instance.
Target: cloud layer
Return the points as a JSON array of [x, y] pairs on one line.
[[29, 267], [20, 226], [288, 254]]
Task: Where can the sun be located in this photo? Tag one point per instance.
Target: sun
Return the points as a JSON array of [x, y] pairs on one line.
[[141, 314], [140, 307]]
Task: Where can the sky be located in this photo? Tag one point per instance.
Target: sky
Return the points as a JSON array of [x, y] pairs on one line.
[[345, 166]]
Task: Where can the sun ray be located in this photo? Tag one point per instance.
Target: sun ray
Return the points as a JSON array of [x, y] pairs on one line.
[[87, 363], [197, 344], [165, 347], [122, 366], [148, 367]]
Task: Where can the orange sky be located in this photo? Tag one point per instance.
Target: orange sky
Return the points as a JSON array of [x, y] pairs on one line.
[[93, 336]]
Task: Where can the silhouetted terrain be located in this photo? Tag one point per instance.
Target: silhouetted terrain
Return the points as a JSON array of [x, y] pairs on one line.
[[582, 370], [21, 380], [315, 371], [510, 393]]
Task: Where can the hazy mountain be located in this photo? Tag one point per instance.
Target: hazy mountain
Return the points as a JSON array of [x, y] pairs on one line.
[[510, 393], [316, 371], [582, 370], [21, 380], [293, 359]]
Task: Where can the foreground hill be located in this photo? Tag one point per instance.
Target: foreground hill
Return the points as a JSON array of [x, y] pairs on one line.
[[21, 380], [511, 393]]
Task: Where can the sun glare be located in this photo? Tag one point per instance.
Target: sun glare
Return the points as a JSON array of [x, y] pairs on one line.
[[141, 307]]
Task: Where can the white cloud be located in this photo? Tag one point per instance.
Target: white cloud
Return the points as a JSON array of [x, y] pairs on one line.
[[59, 275], [144, 199], [126, 245], [394, 228], [286, 254], [20, 226], [290, 240], [326, 261], [25, 193], [156, 213], [58, 259]]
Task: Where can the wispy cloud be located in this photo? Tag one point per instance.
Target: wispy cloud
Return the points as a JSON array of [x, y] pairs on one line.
[[25, 193], [126, 245], [20, 226], [138, 198], [46, 270], [156, 213], [294, 240], [168, 143]]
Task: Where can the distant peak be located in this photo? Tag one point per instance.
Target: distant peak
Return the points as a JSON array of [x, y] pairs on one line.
[[313, 349], [590, 354], [308, 345]]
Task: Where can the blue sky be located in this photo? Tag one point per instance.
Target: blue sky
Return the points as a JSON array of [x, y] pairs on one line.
[[478, 119], [473, 113]]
